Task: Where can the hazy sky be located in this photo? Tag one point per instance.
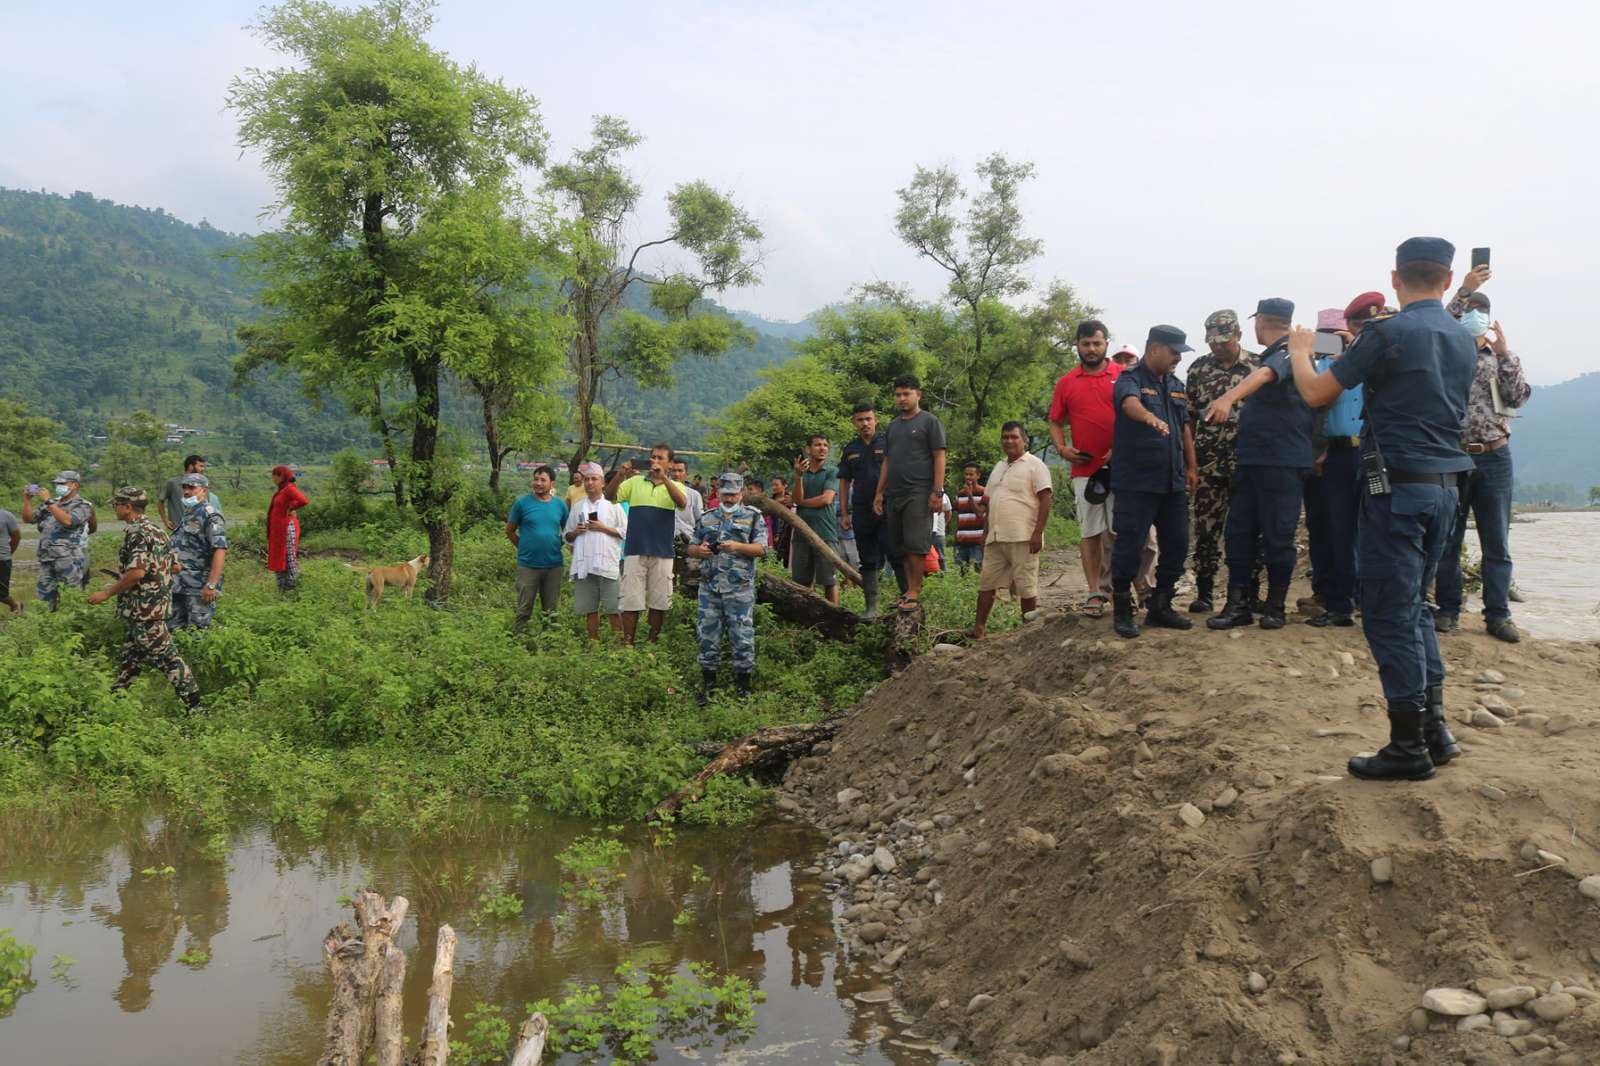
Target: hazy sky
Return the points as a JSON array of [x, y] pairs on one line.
[[1190, 156]]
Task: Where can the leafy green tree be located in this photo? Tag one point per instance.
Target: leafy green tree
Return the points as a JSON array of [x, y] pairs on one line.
[[866, 346], [608, 340], [31, 449], [985, 254], [771, 425], [1594, 495], [134, 456], [396, 174]]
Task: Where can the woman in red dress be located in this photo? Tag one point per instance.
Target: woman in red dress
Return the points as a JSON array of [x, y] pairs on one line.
[[283, 529]]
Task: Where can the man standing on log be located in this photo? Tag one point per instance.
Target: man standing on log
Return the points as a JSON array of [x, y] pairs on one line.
[[858, 480], [728, 542], [911, 484]]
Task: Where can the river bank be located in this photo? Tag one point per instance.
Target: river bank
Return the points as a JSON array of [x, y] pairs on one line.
[[1072, 848]]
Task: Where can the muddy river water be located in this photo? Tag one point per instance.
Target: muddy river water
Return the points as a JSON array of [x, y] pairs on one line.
[[135, 905]]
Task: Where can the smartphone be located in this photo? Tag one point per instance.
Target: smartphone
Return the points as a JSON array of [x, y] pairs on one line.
[[1328, 344], [33, 490], [1480, 257]]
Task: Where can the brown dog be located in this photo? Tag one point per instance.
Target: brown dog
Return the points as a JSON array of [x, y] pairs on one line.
[[403, 576]]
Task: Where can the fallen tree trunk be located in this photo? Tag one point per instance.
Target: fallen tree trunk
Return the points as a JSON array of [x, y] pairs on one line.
[[356, 961], [802, 607], [763, 503], [764, 749]]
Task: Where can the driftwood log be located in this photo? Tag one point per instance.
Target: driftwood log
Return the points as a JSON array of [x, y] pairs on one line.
[[436, 1030], [802, 607], [530, 1041], [357, 961], [765, 504], [764, 749], [389, 1040]]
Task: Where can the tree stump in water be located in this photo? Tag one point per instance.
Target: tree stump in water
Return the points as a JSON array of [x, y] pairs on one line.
[[436, 1030], [359, 963], [764, 749]]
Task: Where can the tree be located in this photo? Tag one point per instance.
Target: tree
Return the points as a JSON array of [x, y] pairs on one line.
[[134, 456], [771, 425], [395, 172], [1594, 495], [983, 253], [866, 346], [608, 340], [31, 448]]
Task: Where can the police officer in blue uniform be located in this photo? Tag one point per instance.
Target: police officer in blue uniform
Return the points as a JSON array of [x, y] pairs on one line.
[[1154, 472], [859, 466], [1273, 459], [1333, 499], [1417, 370]]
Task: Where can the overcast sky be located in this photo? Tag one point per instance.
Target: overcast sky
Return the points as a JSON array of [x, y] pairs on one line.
[[1190, 156]]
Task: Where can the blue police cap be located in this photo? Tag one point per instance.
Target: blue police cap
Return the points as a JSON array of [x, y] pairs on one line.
[[1275, 307], [1429, 249], [1171, 336]]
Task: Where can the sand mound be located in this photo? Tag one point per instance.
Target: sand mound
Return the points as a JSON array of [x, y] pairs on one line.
[[1078, 849]]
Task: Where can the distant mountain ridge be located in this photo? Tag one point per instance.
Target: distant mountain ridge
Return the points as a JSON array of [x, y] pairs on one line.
[[1557, 440]]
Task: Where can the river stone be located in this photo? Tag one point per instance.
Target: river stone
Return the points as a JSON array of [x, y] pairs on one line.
[[1094, 754], [1455, 1002], [1554, 1007], [1506, 998], [1346, 660], [1509, 1027], [944, 648], [1560, 724], [1495, 702], [858, 869], [1590, 886], [1473, 1022], [1225, 799], [1382, 870], [979, 1002], [883, 859], [1490, 792], [1492, 677], [848, 796], [1055, 765], [1255, 983], [1484, 719], [873, 995], [1190, 815], [872, 932], [1264, 780]]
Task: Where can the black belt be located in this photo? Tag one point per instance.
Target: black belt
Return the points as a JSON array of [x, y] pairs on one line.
[[1408, 477], [1344, 442]]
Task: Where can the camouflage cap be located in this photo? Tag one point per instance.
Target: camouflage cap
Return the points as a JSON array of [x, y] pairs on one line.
[[66, 476], [730, 481], [131, 494], [198, 481], [1221, 325]]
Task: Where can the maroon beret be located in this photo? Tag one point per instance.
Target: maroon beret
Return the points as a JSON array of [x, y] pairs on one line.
[[1367, 302]]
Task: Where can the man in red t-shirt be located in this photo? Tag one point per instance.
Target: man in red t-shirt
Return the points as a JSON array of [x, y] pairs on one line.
[[1082, 406]]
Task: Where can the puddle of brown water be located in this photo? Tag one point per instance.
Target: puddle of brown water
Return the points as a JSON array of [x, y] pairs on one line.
[[260, 916]]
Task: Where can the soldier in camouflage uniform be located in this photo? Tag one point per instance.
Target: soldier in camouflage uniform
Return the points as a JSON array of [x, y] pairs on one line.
[[144, 599], [1210, 377], [63, 522], [728, 541], [201, 545]]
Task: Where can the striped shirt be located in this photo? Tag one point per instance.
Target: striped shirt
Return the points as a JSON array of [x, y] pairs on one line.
[[969, 523]]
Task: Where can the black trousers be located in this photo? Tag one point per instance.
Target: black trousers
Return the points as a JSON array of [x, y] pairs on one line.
[[1134, 514]]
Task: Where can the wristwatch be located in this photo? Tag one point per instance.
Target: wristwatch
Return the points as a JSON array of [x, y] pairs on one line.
[[211, 585]]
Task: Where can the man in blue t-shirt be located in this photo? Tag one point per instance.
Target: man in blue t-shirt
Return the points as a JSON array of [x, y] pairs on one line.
[[1273, 459], [534, 526]]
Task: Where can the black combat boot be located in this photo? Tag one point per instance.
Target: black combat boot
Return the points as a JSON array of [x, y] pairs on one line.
[[1332, 618], [1405, 757], [708, 685], [1122, 614], [741, 684], [1276, 614], [1161, 615], [1236, 612], [1202, 597], [1442, 746]]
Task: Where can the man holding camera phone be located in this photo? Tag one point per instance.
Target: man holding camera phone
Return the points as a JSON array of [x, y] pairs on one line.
[[63, 556], [728, 541], [1332, 492], [653, 501], [595, 529]]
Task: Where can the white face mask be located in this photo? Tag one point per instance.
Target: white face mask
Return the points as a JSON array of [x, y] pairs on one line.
[[1476, 322], [62, 490], [727, 505]]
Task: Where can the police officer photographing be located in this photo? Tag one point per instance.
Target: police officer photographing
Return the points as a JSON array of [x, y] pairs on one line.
[[1417, 369], [1273, 457], [63, 550], [728, 541], [1154, 473]]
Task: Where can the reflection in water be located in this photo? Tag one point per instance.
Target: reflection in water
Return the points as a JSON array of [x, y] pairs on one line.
[[101, 893]]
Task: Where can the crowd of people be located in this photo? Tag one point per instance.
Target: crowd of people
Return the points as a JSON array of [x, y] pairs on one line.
[[1384, 426]]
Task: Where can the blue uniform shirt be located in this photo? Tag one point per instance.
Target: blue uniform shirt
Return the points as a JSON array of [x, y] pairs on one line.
[[1417, 367], [1275, 422], [1142, 460], [1344, 414], [860, 464], [726, 571]]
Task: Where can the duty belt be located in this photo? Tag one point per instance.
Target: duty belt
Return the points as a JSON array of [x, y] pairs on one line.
[[1410, 477], [1344, 442]]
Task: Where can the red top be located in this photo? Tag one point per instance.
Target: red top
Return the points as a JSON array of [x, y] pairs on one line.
[[1083, 402], [280, 516]]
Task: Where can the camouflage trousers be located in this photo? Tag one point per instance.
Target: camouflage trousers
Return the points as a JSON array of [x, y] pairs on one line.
[[190, 609], [56, 574], [149, 644], [1210, 518], [730, 612]]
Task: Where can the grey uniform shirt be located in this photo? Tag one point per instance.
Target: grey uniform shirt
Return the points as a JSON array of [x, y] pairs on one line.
[[909, 444]]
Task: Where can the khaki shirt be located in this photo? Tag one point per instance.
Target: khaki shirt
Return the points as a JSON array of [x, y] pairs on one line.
[[1013, 498]]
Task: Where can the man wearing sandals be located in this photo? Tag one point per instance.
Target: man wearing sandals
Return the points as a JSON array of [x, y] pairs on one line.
[[1016, 506], [911, 483]]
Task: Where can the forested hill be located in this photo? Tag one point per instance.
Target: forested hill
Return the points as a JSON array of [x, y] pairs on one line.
[[105, 309], [1555, 445]]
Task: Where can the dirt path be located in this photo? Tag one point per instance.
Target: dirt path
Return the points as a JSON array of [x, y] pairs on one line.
[[1105, 851]]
